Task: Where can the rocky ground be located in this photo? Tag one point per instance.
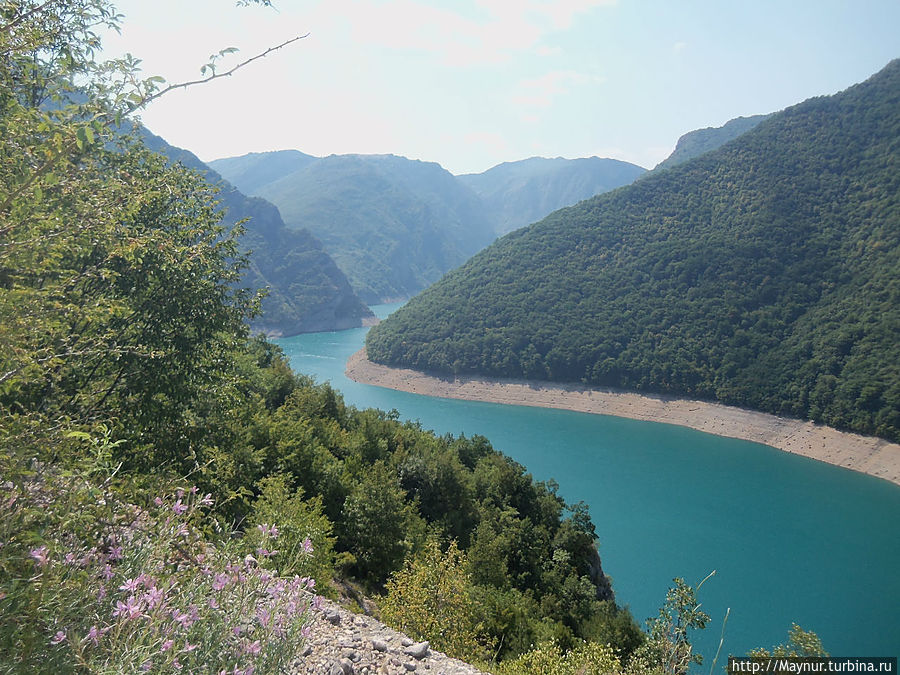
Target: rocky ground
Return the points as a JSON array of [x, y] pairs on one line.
[[343, 643]]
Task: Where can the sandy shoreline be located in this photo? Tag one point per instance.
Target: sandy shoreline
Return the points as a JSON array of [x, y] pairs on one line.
[[869, 455]]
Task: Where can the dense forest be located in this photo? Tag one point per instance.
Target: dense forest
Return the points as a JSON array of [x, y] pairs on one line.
[[764, 274], [700, 141], [171, 489]]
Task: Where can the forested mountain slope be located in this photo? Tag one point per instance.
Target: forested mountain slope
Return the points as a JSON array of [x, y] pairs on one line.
[[306, 290], [765, 274], [695, 143], [516, 194], [251, 171], [393, 225]]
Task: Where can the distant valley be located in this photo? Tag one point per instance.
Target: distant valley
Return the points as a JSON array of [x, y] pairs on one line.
[[394, 225], [306, 291]]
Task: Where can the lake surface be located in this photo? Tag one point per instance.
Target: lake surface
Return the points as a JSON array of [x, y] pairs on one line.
[[792, 540]]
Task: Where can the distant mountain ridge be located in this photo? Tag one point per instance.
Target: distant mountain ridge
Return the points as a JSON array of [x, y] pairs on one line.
[[307, 292], [523, 192], [394, 225], [763, 274], [700, 141]]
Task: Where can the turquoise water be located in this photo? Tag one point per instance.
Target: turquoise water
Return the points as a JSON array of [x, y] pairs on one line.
[[791, 539]]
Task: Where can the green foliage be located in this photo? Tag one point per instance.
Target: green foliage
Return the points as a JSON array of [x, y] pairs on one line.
[[667, 649], [296, 528], [801, 642], [432, 599], [548, 659], [125, 365], [765, 274], [378, 525]]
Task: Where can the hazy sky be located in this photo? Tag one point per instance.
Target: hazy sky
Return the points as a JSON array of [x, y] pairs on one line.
[[472, 83]]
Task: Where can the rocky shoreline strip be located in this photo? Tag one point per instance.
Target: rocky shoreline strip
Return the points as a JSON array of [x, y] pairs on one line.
[[865, 454], [343, 643]]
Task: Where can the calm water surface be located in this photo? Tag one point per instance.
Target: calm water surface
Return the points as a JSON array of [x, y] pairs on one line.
[[791, 539]]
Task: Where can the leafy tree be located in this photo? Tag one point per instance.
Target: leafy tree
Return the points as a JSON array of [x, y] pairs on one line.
[[667, 649], [800, 643], [432, 598], [378, 526]]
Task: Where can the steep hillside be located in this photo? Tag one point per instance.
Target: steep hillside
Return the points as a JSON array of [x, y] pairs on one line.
[[393, 225], [307, 291], [695, 143], [765, 274], [520, 193]]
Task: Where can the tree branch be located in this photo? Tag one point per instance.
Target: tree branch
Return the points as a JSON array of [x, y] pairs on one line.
[[216, 76]]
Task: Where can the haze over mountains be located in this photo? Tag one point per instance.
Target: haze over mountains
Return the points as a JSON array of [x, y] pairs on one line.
[[520, 193], [306, 290], [395, 225], [764, 274]]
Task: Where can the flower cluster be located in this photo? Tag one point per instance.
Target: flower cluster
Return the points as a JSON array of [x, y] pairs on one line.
[[157, 596]]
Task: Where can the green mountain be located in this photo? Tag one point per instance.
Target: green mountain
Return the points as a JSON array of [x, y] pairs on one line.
[[393, 225], [520, 193], [306, 290], [764, 274], [250, 172], [695, 143]]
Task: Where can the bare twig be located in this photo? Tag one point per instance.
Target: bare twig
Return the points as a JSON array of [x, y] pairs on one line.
[[216, 76]]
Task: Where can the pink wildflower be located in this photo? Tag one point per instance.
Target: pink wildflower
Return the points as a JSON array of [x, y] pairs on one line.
[[253, 648], [186, 619], [307, 546], [130, 585], [130, 609], [40, 555], [220, 582], [166, 646], [115, 553], [154, 597], [59, 637], [263, 616], [158, 501], [94, 634], [179, 508]]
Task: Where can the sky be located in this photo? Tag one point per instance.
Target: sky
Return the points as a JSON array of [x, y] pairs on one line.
[[473, 83]]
